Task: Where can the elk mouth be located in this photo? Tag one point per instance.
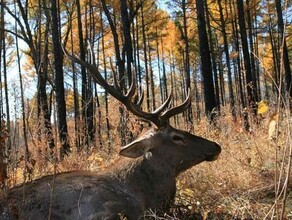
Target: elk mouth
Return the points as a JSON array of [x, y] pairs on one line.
[[212, 157]]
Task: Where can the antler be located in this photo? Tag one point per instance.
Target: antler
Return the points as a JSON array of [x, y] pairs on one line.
[[159, 117]]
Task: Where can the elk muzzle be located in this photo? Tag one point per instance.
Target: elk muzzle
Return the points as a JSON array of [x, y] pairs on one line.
[[214, 156]]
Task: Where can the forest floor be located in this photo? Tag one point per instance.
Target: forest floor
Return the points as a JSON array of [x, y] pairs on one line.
[[248, 181]]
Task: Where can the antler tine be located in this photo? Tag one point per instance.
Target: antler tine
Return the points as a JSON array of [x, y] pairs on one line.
[[92, 56], [132, 88], [164, 105], [139, 103], [176, 110], [114, 75]]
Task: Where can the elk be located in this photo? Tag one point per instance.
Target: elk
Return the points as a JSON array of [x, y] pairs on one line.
[[144, 179]]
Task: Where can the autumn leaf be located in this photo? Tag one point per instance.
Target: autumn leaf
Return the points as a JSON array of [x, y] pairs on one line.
[[263, 107]]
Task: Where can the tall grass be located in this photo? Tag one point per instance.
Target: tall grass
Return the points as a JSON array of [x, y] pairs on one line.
[[250, 180]]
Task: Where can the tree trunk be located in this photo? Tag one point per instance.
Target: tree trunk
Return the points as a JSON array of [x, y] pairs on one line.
[[226, 51], [105, 93], [5, 147], [89, 120], [152, 84], [86, 112], [77, 121], [138, 56], [43, 100], [187, 74], [187, 47], [127, 48], [252, 51], [145, 59], [238, 62], [3, 46], [214, 65], [284, 54], [59, 82], [210, 101], [43, 104], [248, 74], [164, 80], [26, 174], [276, 55], [158, 66]]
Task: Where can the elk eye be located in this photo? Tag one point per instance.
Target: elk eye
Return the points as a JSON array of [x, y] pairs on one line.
[[177, 138]]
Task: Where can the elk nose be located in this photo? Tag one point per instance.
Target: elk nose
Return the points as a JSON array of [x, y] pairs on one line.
[[218, 148], [215, 153]]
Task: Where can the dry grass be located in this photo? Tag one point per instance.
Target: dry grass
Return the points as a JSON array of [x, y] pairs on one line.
[[241, 184]]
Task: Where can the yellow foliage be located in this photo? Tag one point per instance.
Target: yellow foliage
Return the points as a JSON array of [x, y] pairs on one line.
[[172, 38], [266, 58], [188, 192], [95, 157], [70, 100], [263, 107]]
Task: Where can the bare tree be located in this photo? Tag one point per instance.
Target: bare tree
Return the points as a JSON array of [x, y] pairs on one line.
[[284, 54], [206, 66], [226, 51], [59, 81]]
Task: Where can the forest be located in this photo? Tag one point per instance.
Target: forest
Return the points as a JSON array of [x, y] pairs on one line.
[[233, 57]]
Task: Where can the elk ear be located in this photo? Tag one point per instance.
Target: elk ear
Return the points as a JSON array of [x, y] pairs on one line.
[[134, 149]]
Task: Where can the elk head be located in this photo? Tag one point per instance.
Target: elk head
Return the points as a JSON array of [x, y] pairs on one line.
[[173, 147]]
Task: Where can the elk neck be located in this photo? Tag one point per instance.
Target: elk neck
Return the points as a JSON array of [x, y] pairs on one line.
[[153, 181]]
